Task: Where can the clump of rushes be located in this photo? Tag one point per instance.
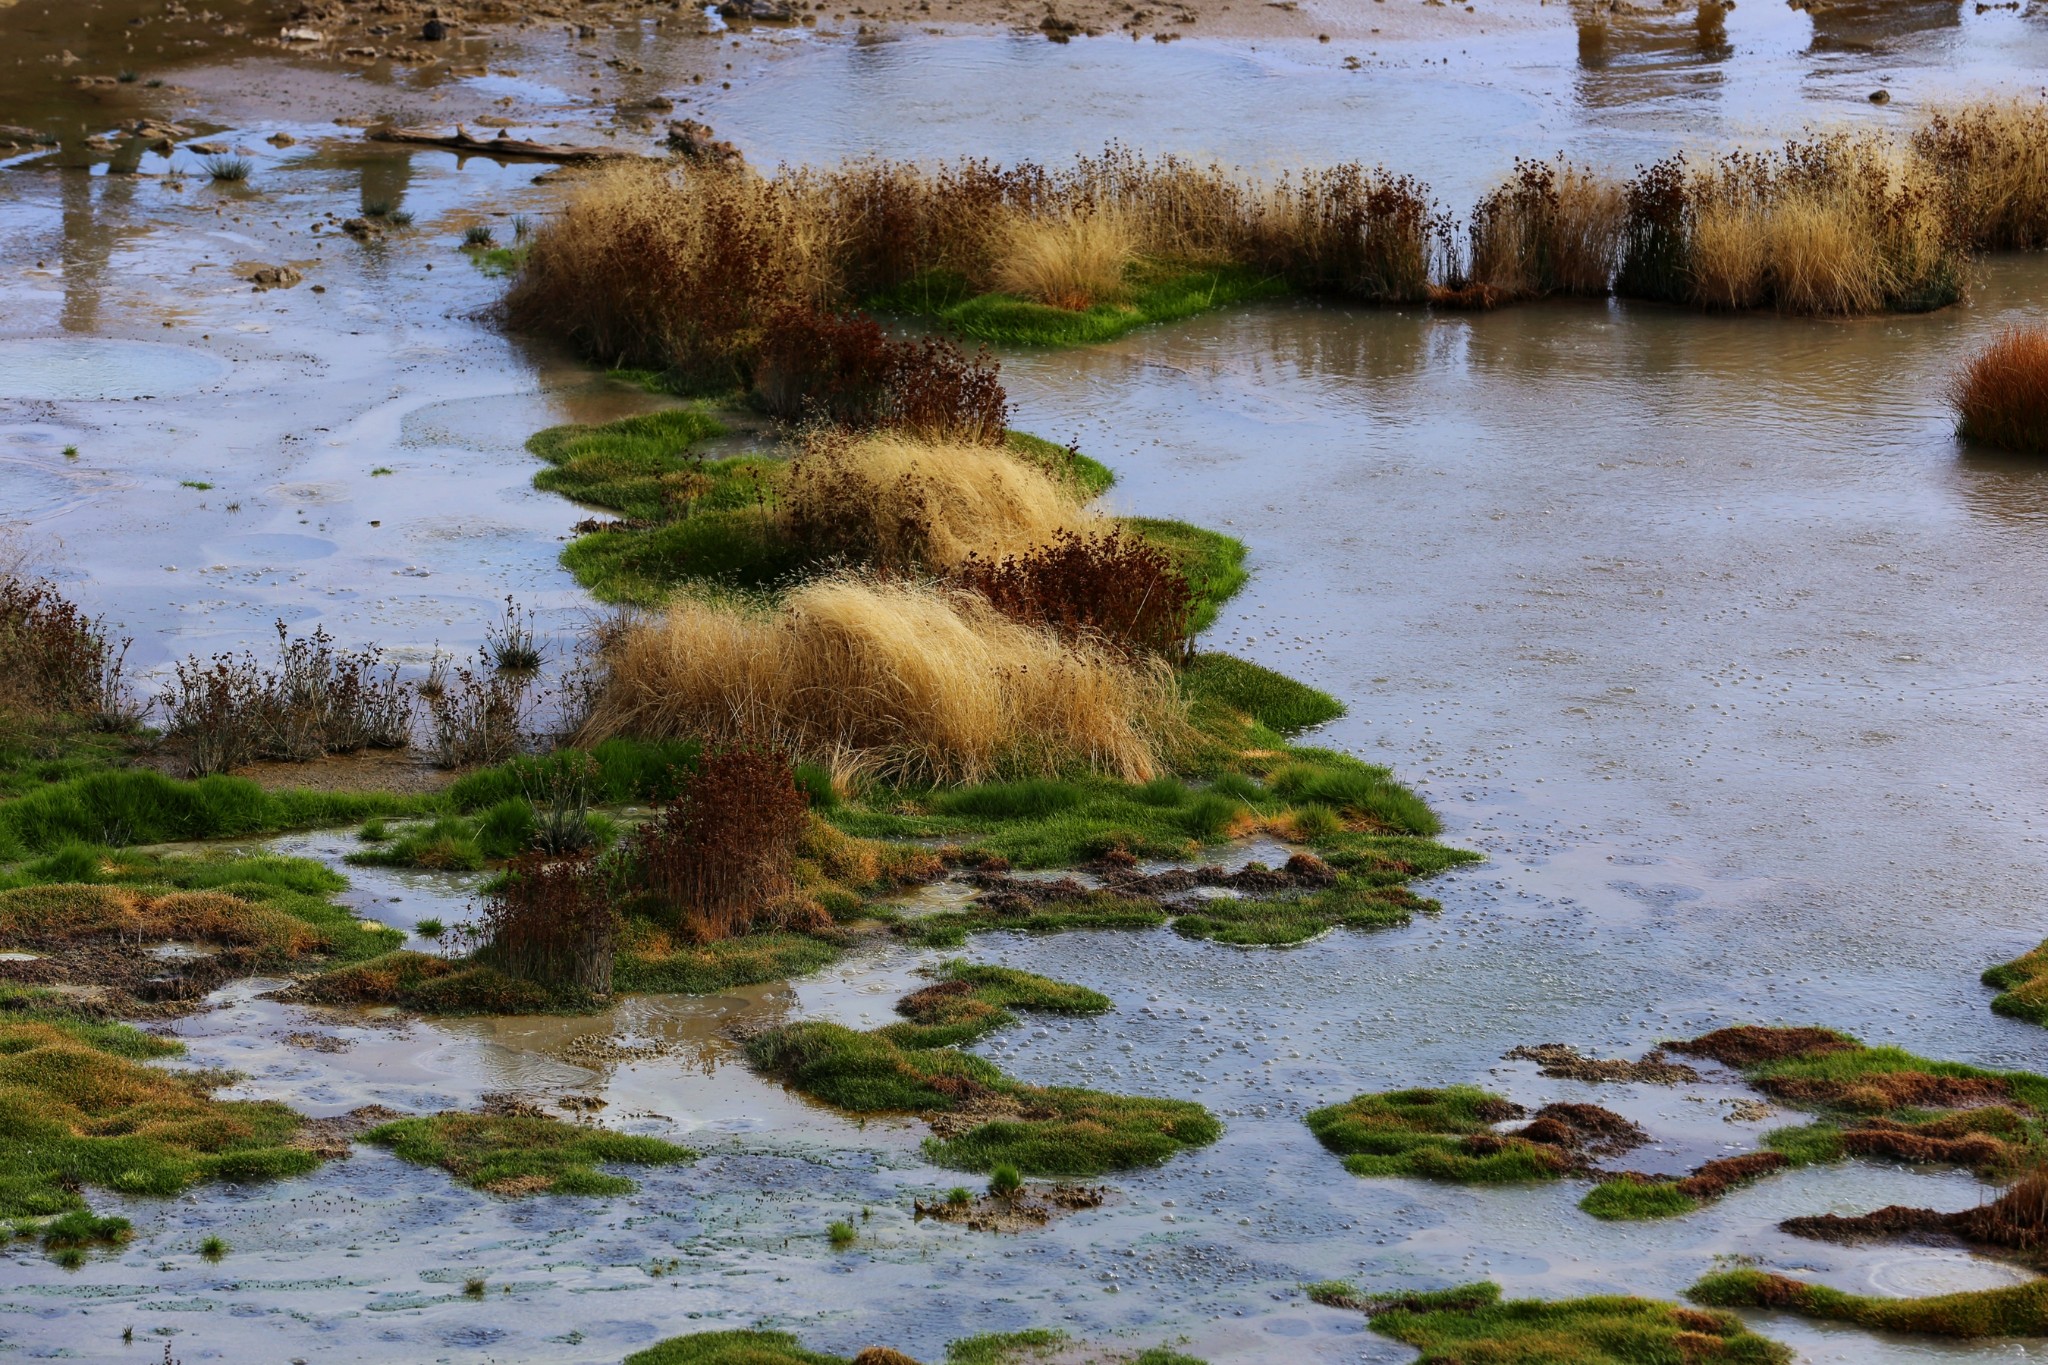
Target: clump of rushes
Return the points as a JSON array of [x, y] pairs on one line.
[[1878, 1103], [229, 168], [479, 236], [511, 643], [2000, 397], [1073, 261], [214, 1247], [1471, 1322], [1004, 1181], [959, 1196], [80, 1230], [1551, 228], [550, 921], [475, 1286], [522, 1154], [2013, 1311], [842, 1235], [981, 1119]]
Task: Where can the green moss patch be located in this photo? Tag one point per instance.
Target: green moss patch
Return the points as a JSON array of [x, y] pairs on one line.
[[780, 1348], [139, 806], [2016, 1311], [980, 1117], [1158, 291], [1472, 1323], [1442, 1134], [521, 1154], [2022, 986], [79, 1109]]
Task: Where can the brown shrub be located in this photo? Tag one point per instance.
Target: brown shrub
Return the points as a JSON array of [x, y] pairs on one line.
[[1881, 1091], [550, 921], [1749, 1044], [2000, 397], [1899, 1143], [1993, 158], [721, 855], [1111, 586], [840, 368], [56, 660]]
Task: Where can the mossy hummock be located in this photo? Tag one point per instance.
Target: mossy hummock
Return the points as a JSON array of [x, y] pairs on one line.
[[1473, 1323], [980, 1117], [1453, 1134]]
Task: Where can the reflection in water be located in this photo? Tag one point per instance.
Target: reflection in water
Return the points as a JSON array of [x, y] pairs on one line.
[[1861, 25], [1629, 54], [2002, 486]]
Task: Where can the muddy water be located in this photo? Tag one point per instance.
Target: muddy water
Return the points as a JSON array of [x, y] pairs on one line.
[[1703, 629]]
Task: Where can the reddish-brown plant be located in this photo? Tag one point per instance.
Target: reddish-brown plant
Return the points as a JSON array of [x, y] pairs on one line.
[[2001, 396], [1114, 586], [550, 920], [721, 857]]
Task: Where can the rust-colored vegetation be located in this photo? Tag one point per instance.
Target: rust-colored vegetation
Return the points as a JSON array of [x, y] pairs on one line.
[[2000, 396]]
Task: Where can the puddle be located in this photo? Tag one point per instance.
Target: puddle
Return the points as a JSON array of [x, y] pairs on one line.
[[59, 368]]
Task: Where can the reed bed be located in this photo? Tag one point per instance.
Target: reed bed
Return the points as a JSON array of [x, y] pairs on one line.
[[685, 268], [2000, 396], [898, 680]]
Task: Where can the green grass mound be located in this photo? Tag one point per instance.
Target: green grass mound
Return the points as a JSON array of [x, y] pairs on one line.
[[1157, 291], [1272, 699], [2015, 1311], [2022, 986], [1444, 1134], [140, 806], [780, 1348], [658, 967], [1471, 1323], [456, 843], [981, 1118], [80, 1110], [524, 1154]]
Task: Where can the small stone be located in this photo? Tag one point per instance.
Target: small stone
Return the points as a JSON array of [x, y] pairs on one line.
[[1880, 97], [433, 31]]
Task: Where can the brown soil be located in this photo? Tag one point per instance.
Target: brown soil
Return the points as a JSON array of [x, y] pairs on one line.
[[331, 1139], [1585, 1130], [1565, 1062], [1750, 1044], [1031, 1207], [1716, 1178], [1893, 1090]]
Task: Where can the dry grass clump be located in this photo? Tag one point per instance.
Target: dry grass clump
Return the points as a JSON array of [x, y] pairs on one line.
[[2000, 396], [676, 269], [1073, 260], [903, 503], [1834, 225], [1551, 228], [550, 921], [48, 917], [903, 680], [841, 369], [1993, 158], [1113, 587]]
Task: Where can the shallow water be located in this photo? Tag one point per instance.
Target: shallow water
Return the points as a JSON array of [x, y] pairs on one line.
[[1703, 629]]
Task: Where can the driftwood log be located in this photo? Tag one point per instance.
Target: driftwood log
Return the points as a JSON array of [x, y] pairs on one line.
[[501, 146]]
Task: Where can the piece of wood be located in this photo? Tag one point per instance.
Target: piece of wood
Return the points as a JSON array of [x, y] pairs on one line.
[[501, 146]]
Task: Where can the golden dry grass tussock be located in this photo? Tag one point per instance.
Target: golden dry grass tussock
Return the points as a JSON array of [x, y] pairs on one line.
[[893, 500], [901, 680], [1993, 156], [1074, 260], [55, 916]]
